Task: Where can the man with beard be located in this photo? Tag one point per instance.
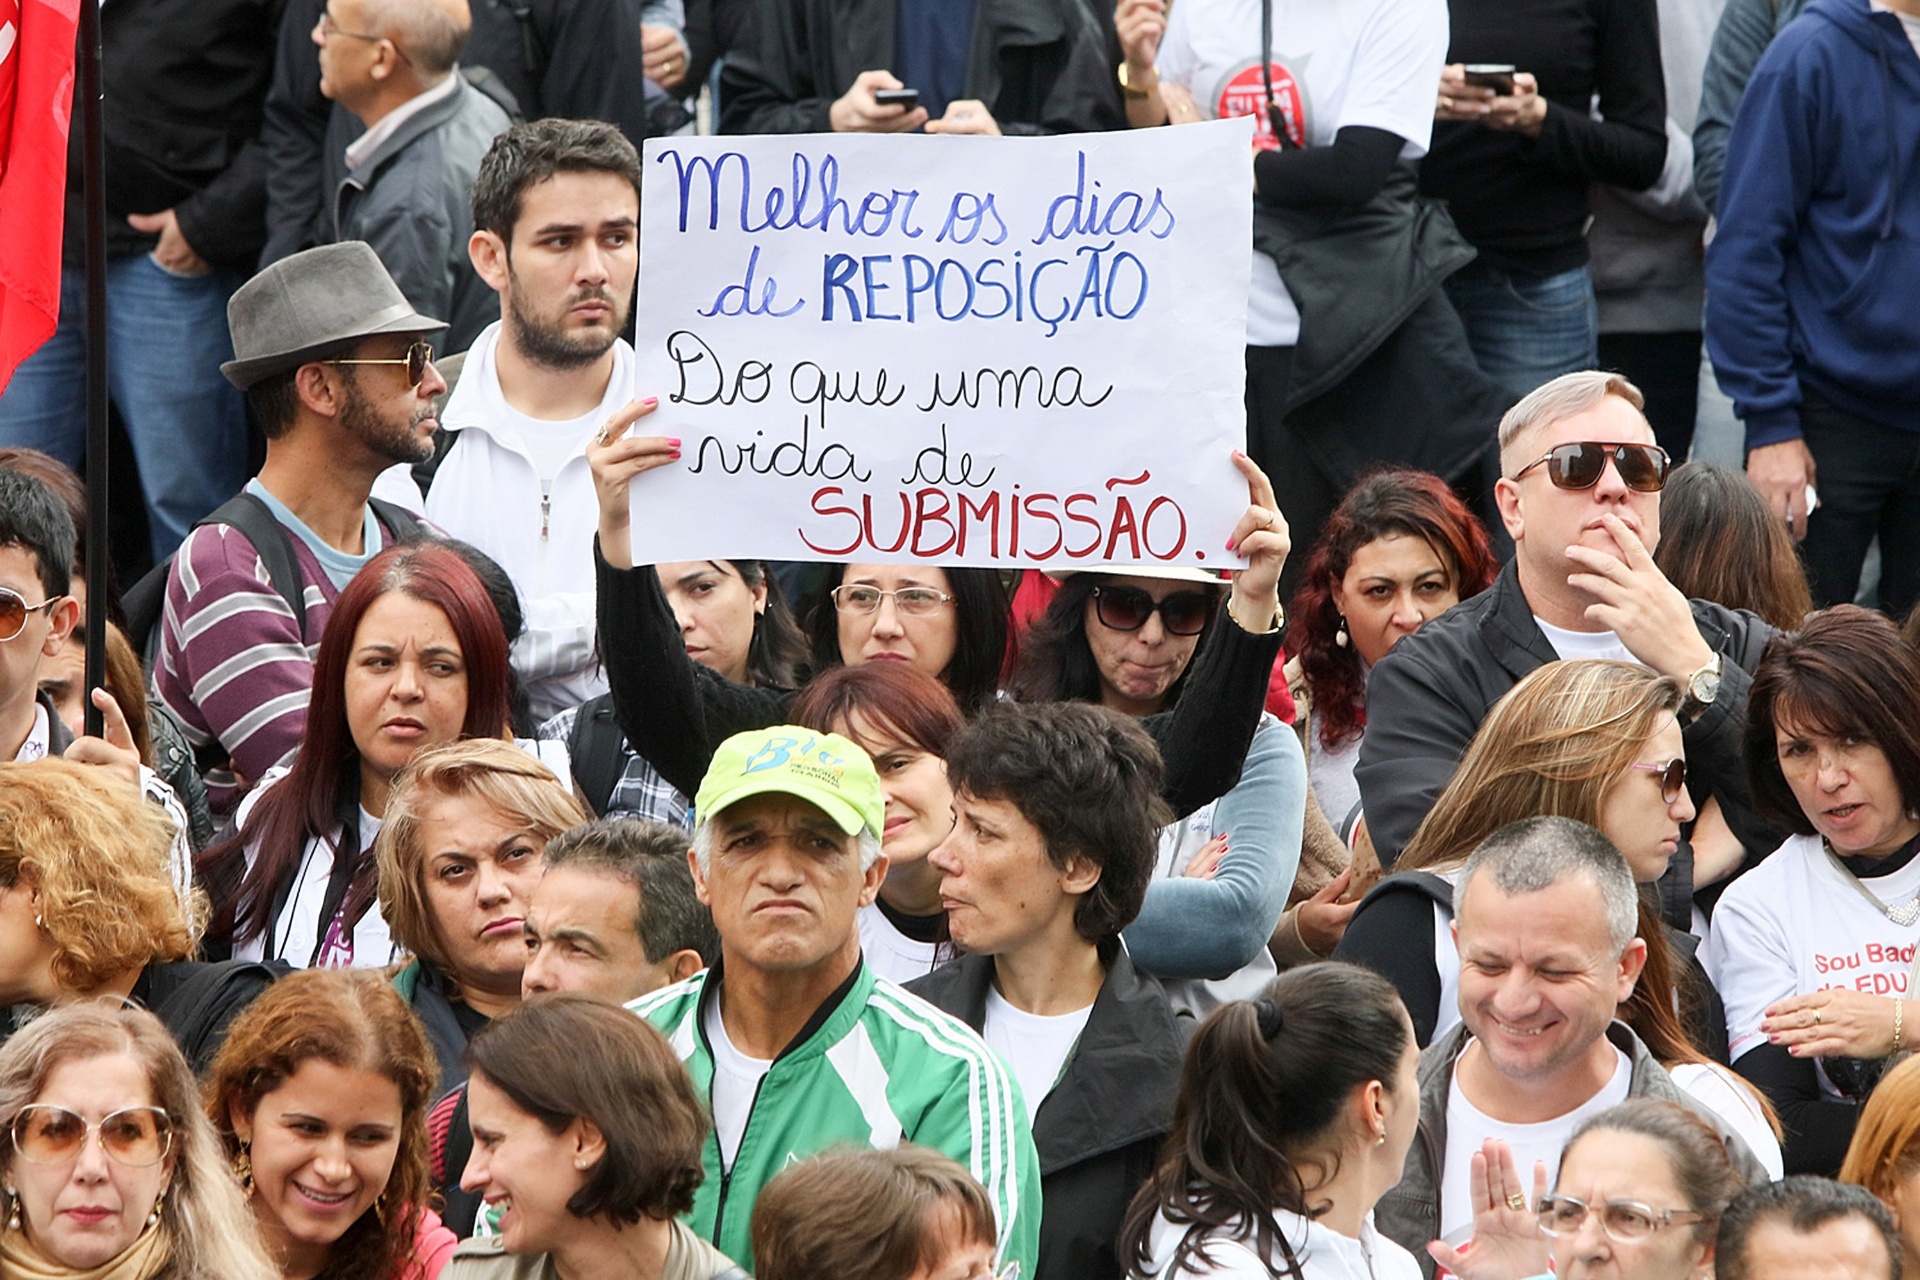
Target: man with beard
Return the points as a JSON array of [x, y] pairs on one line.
[[333, 360], [556, 210]]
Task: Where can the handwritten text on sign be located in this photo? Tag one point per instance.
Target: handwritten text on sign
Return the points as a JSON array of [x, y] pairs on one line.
[[960, 350]]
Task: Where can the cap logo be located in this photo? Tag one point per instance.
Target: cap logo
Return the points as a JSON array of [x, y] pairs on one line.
[[779, 753]]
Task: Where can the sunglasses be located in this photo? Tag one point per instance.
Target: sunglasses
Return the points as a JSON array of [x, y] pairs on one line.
[[14, 611], [136, 1136], [1623, 1220], [1642, 467], [418, 357], [1184, 613], [1673, 777], [915, 602]]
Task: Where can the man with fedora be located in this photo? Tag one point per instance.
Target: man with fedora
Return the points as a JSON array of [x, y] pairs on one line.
[[333, 360]]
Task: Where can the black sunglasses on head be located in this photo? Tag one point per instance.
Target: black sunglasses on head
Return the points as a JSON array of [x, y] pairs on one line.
[[1643, 467], [1123, 608]]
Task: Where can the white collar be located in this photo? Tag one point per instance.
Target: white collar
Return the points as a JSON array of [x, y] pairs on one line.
[[371, 141]]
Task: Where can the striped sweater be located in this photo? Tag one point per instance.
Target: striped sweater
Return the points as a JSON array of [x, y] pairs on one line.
[[876, 1066], [234, 666]]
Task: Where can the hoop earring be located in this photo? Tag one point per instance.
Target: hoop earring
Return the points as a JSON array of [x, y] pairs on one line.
[[243, 1169], [1340, 636]]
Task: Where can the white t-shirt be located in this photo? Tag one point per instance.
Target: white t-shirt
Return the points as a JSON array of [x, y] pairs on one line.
[[1323, 1254], [1335, 63], [891, 953], [1728, 1097], [1446, 962], [1797, 924], [1908, 23], [1035, 1046], [1331, 773], [297, 930], [1468, 1127], [736, 1078], [1573, 645]]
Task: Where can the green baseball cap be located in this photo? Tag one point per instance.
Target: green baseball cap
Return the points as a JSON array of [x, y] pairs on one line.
[[823, 769]]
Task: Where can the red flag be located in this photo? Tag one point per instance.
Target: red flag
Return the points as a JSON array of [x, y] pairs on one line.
[[36, 99]]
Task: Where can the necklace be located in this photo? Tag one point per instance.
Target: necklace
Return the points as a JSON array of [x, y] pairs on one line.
[[1906, 915]]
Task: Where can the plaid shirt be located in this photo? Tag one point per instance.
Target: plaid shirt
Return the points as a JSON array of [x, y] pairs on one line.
[[640, 792]]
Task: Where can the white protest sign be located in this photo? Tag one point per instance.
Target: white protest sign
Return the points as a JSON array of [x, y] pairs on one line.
[[967, 351]]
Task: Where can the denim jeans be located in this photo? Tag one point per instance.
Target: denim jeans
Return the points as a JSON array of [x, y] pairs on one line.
[[166, 338], [1868, 477], [1526, 329]]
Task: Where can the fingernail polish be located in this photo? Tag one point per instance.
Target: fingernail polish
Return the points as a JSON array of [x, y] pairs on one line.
[[674, 441], [1229, 544], [651, 401]]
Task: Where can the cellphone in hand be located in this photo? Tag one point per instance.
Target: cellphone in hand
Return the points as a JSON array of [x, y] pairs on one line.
[[908, 98], [1497, 76]]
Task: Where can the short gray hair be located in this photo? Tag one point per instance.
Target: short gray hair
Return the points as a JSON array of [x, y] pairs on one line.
[[870, 848], [1564, 396], [431, 33], [1538, 853]]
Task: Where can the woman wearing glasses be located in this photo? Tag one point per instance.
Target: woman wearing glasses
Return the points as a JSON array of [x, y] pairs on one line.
[[1126, 640], [111, 1172], [1598, 742], [1814, 947], [320, 1099], [949, 623], [1639, 1196]]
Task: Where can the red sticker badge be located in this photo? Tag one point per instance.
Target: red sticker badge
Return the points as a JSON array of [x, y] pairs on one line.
[[1241, 96]]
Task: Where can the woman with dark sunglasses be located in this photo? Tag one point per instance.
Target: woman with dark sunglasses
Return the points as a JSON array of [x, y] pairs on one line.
[[1125, 640], [1598, 742], [1639, 1195], [111, 1171]]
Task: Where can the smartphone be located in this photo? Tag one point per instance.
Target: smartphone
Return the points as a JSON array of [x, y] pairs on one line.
[[908, 98], [1497, 76]]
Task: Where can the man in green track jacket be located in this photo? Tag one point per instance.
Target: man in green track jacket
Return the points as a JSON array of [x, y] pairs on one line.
[[796, 1044]]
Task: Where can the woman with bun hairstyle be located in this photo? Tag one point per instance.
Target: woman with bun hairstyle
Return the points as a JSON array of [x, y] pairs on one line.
[[1294, 1117]]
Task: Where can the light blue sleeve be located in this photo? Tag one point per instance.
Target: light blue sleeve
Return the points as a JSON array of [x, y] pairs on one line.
[[664, 13], [1192, 928]]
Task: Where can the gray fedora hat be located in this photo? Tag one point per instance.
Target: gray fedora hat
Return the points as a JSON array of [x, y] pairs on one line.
[[313, 304]]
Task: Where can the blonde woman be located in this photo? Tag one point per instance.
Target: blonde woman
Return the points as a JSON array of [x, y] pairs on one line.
[[459, 853], [1884, 1156], [88, 906], [1598, 742], [97, 1099]]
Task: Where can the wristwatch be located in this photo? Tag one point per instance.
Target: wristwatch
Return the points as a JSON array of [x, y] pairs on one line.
[[1703, 686], [1127, 86]]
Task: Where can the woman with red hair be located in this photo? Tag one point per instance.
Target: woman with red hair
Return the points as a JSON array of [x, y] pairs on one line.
[[413, 657], [1399, 551]]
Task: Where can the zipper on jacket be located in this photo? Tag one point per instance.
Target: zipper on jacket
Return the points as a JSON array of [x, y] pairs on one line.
[[726, 1170], [546, 510]]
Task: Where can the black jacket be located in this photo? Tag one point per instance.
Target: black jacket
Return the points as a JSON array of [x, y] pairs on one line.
[[1041, 66], [589, 51], [1100, 1129], [1427, 697], [183, 83]]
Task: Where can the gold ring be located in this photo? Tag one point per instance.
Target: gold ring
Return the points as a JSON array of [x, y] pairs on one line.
[[1517, 1202], [1816, 1017]]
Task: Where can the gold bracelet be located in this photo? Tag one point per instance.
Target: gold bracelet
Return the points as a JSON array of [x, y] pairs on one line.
[[1899, 1017]]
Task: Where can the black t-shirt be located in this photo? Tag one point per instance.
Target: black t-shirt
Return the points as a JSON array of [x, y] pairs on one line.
[[1523, 201]]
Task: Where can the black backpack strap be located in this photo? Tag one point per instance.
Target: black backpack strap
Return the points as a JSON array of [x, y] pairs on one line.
[[594, 744], [1439, 888], [400, 523], [145, 601]]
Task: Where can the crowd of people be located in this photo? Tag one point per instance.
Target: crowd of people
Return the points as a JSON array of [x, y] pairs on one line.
[[1506, 869]]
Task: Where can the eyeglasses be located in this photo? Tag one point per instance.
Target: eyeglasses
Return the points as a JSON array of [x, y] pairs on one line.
[[418, 356], [1184, 613], [137, 1136], [328, 29], [14, 611], [1622, 1220], [1673, 777], [915, 602], [1643, 467]]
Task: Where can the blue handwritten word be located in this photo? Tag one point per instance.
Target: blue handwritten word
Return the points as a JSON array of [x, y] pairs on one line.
[[737, 299], [1080, 214], [1112, 285], [798, 206]]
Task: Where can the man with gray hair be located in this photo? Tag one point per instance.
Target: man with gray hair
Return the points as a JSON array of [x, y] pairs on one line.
[[1580, 494], [1545, 916], [796, 1044], [405, 186]]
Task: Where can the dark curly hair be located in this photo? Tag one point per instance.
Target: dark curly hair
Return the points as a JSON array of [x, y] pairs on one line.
[[1056, 663], [1089, 779], [1388, 502]]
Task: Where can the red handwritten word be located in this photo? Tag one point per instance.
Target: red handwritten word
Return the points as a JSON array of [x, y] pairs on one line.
[[930, 522]]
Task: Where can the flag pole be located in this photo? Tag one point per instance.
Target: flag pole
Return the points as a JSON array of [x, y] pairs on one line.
[[93, 158]]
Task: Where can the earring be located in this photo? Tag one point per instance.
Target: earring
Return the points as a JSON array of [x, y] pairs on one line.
[[153, 1215], [1380, 1138], [380, 1210], [243, 1169], [13, 1209], [1340, 636]]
